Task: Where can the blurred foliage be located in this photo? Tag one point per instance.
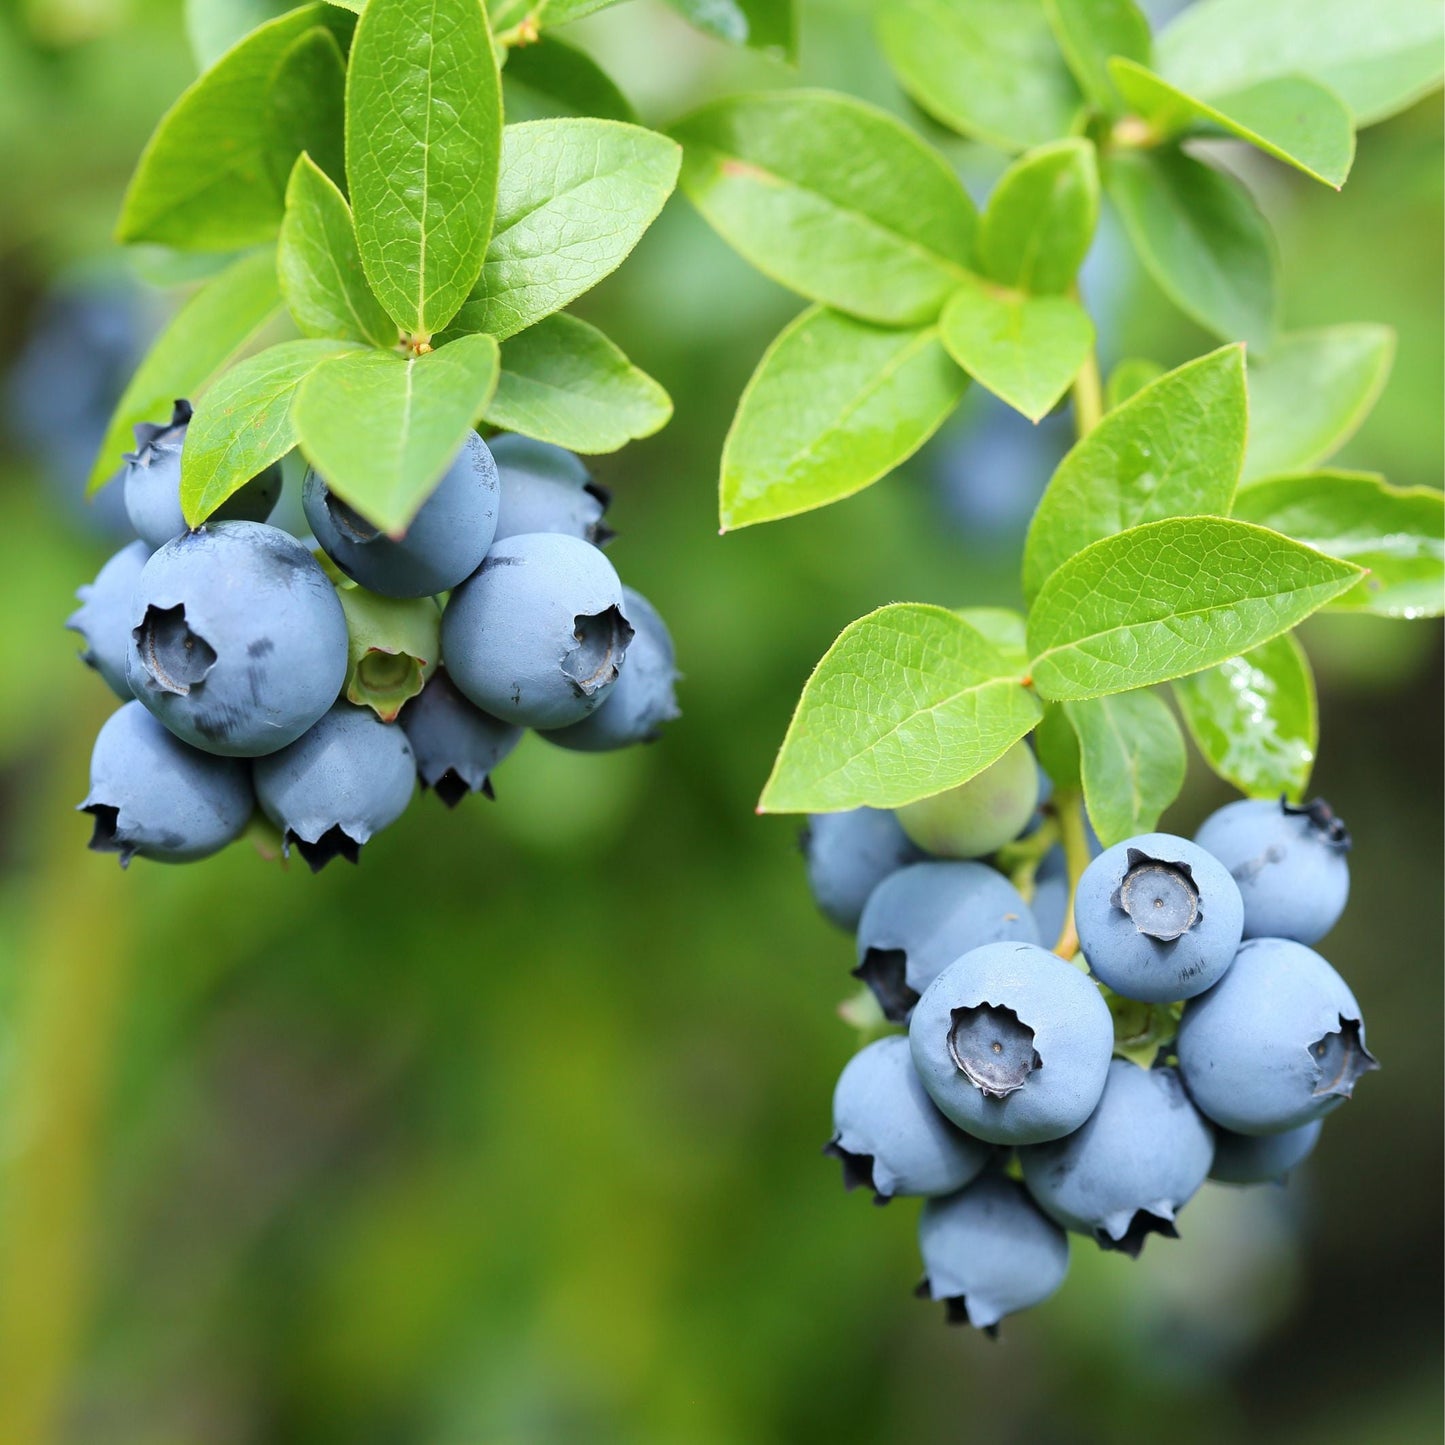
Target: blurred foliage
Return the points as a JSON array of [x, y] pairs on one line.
[[511, 1135]]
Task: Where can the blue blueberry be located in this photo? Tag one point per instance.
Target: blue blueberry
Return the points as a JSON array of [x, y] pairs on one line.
[[443, 545], [1262, 1158], [848, 855], [922, 917], [153, 484], [1013, 1044], [346, 779], [1290, 864], [537, 636], [238, 644], [1277, 1042], [103, 617], [1138, 1159], [989, 1251], [546, 489], [888, 1134], [642, 699], [1159, 918], [151, 796], [456, 745]]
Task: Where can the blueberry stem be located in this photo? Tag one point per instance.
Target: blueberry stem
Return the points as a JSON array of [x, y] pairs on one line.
[[1088, 394], [1021, 858], [1069, 810]]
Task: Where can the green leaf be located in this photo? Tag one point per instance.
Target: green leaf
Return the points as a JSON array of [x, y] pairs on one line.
[[206, 179], [1396, 532], [1201, 237], [987, 68], [1024, 349], [551, 78], [1253, 719], [1131, 375], [1311, 395], [908, 701], [244, 423], [319, 267], [576, 197], [1378, 58], [1056, 746], [1170, 598], [306, 107], [767, 25], [833, 405], [1132, 761], [214, 26], [1089, 32], [1292, 118], [423, 136], [832, 198], [507, 13], [1172, 450], [564, 382], [1041, 217], [1006, 629], [216, 324], [382, 428]]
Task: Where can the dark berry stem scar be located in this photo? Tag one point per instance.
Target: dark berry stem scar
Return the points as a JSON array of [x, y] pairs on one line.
[[1160, 897], [1340, 1060], [601, 644], [993, 1048], [175, 658], [885, 971]]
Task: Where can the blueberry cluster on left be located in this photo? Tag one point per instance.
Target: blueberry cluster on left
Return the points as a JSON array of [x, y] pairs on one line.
[[1184, 1028], [321, 687]]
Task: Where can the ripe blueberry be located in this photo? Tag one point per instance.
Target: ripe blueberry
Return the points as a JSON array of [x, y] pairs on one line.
[[848, 855], [546, 489], [103, 617], [1262, 1158], [456, 745], [977, 817]]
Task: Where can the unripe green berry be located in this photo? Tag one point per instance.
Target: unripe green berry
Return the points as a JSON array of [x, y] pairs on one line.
[[977, 817]]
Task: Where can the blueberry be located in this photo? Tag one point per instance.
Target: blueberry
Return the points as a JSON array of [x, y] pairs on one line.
[[537, 635], [546, 489], [1289, 864], [443, 545], [921, 918], [1135, 1163], [1013, 1043], [238, 643], [153, 484], [888, 1133], [1159, 918], [977, 817], [642, 699], [103, 617], [1277, 1042], [1262, 1158], [1050, 903], [151, 796], [456, 745], [347, 778], [989, 1251], [848, 855]]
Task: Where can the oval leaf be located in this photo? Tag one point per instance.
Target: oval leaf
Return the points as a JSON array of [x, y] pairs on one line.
[[1041, 217], [770, 26], [834, 405], [551, 78], [908, 701], [832, 198], [1089, 32], [1170, 598], [306, 107]]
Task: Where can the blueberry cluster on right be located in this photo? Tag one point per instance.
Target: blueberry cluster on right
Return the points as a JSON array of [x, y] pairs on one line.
[[1007, 1105]]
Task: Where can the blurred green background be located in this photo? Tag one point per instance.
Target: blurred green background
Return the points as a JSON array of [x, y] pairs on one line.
[[512, 1134]]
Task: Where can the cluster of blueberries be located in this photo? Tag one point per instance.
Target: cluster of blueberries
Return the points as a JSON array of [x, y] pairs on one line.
[[231, 645], [1004, 1105]]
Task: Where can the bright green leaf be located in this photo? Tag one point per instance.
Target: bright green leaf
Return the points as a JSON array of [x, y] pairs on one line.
[[382, 428], [564, 382], [319, 267], [1006, 629], [1089, 32], [1131, 375], [833, 198], [306, 107], [1170, 598], [550, 78], [1024, 349], [1309, 397], [987, 68], [1172, 450], [1201, 237], [1396, 532], [1041, 217], [767, 25], [206, 179], [1253, 719], [1292, 118], [908, 701], [576, 196], [1056, 745], [214, 26], [244, 423], [507, 13], [216, 324], [833, 405], [1378, 57], [423, 137], [1131, 759]]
